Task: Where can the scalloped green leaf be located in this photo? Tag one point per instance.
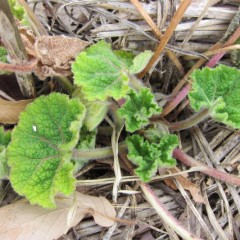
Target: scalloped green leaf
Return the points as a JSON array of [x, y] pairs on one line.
[[140, 62], [138, 107], [151, 156], [101, 73], [39, 154], [219, 91], [5, 138]]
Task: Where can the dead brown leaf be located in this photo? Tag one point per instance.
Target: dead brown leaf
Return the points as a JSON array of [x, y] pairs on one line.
[[10, 110], [186, 184], [54, 54], [22, 221]]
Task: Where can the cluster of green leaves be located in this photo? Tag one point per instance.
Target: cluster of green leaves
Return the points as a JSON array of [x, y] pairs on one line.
[[103, 73], [218, 90], [151, 156], [39, 154]]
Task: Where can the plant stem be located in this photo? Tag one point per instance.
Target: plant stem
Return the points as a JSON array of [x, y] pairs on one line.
[[164, 214], [66, 83], [136, 83], [97, 153], [217, 57], [180, 96], [191, 121], [222, 176]]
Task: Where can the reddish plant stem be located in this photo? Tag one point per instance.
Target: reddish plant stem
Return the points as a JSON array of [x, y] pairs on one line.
[[20, 67], [181, 95], [216, 58], [222, 176]]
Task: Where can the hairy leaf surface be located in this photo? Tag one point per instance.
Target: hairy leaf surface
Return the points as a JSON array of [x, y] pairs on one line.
[[41, 148], [101, 73], [126, 57], [151, 156], [140, 62], [218, 90], [138, 108]]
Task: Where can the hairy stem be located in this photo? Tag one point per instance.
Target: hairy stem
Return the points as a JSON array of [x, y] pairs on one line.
[[97, 153], [222, 176], [190, 122], [181, 95]]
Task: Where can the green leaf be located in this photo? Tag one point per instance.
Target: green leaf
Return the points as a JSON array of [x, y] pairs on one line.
[[41, 148], [100, 73], [140, 62], [5, 138], [138, 108], [17, 9], [96, 110], [125, 57], [3, 58], [151, 156], [219, 91], [3, 55], [18, 12]]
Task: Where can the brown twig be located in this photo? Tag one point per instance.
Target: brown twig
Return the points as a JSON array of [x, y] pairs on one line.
[[158, 33], [23, 68], [167, 35]]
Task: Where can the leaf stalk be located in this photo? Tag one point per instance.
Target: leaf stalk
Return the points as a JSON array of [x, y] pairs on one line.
[[191, 121], [97, 153]]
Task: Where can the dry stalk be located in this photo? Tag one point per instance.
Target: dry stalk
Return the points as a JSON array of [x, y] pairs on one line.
[[13, 43]]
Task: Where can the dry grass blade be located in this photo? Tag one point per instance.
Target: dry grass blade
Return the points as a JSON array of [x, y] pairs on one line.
[[209, 3], [213, 219], [164, 214], [167, 35], [157, 32], [194, 210], [36, 25]]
